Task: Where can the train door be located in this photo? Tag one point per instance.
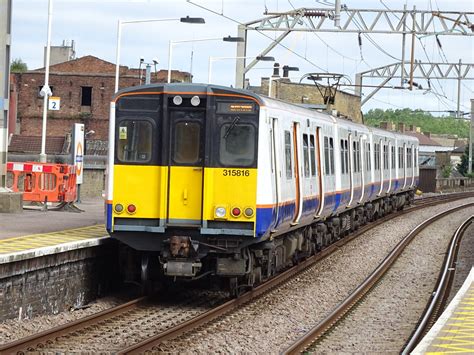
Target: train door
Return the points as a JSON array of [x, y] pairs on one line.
[[404, 165], [351, 167], [186, 167], [319, 171], [412, 161], [298, 197], [389, 164], [379, 162], [276, 170]]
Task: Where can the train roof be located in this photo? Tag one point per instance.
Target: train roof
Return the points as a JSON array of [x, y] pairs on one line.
[[188, 88], [191, 88]]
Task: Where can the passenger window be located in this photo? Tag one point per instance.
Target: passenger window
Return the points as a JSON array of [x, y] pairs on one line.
[[186, 142], [369, 161], [306, 155], [393, 157], [312, 155], [346, 154], [289, 173], [331, 154], [343, 157], [237, 144], [326, 156], [134, 143]]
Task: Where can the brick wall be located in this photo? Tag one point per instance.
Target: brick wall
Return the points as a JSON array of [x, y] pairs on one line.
[[67, 80], [346, 104], [57, 282]]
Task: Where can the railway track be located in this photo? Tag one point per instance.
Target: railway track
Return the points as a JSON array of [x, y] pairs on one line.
[[46, 340], [305, 342], [440, 296]]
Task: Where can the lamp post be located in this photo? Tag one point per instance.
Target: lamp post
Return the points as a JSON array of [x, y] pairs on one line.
[[45, 90], [172, 43], [187, 19], [213, 59]]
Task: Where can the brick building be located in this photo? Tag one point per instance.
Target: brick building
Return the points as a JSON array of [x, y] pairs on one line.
[[85, 86]]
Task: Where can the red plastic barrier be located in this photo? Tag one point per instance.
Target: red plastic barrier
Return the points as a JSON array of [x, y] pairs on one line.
[[42, 182]]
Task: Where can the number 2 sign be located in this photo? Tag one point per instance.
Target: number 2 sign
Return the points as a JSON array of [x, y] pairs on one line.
[[53, 103]]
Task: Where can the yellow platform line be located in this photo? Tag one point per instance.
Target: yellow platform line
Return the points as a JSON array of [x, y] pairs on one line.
[[17, 244]]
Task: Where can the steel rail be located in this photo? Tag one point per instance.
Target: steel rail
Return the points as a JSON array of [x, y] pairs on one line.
[[34, 340], [440, 295], [338, 313], [31, 342], [278, 280]]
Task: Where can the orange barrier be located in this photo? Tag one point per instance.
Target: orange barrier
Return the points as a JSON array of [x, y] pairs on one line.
[[43, 182]]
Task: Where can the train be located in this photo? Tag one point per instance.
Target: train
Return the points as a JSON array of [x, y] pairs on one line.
[[206, 181]]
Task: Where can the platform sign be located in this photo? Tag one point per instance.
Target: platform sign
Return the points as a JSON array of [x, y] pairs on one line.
[[53, 103], [79, 151]]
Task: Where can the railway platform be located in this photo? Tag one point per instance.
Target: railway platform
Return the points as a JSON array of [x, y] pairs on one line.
[[34, 232], [454, 330]]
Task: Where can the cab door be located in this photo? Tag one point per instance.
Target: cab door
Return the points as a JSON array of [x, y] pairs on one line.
[[186, 167]]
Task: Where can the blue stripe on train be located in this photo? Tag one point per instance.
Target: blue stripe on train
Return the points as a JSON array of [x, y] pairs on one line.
[[109, 217]]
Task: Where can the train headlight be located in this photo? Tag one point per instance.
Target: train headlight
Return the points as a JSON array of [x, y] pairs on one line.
[[195, 101], [118, 208], [248, 212], [236, 212], [131, 209], [220, 212], [177, 100]]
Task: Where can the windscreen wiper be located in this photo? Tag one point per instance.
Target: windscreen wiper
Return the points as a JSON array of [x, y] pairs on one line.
[[234, 122]]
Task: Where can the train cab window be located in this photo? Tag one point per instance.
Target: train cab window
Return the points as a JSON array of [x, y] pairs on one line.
[[186, 142], [237, 144], [306, 155], [134, 143], [312, 155], [289, 173]]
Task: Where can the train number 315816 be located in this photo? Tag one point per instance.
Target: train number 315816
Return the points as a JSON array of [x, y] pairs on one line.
[[235, 172]]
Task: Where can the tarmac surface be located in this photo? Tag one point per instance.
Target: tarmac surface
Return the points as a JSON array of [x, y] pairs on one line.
[[37, 221]]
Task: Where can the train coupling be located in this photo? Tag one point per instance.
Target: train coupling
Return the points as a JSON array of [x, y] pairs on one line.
[[182, 246], [184, 268]]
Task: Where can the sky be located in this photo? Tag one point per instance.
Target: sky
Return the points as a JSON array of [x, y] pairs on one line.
[[92, 24]]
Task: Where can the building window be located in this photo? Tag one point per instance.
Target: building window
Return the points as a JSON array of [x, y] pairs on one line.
[[86, 96]]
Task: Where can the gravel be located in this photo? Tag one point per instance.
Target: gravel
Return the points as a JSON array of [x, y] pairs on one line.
[[273, 322], [385, 319]]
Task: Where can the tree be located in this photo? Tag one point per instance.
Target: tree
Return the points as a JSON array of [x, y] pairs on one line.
[[463, 166], [18, 66]]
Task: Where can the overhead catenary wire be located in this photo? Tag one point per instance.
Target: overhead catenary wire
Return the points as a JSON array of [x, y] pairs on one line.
[[258, 31]]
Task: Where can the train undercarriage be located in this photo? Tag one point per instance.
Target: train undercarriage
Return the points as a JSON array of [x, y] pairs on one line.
[[239, 264]]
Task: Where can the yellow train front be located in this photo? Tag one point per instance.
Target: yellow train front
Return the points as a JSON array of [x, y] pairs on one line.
[[182, 177]]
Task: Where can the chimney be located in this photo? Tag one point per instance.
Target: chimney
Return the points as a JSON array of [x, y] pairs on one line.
[[428, 134], [384, 125], [401, 127], [412, 128], [276, 70]]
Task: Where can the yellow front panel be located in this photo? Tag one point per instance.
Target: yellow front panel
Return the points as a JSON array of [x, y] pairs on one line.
[[229, 188], [143, 186], [185, 194]]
